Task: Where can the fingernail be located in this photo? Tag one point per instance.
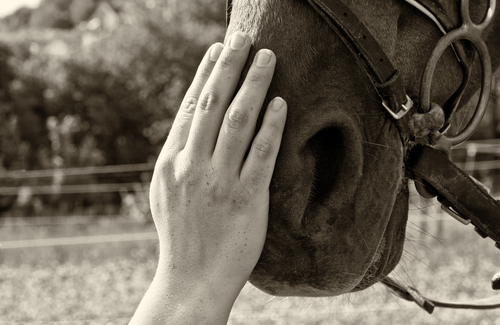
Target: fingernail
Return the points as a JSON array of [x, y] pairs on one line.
[[215, 52], [237, 41], [263, 58], [277, 104]]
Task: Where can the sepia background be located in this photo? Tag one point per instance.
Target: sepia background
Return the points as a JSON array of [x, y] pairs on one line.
[[88, 92]]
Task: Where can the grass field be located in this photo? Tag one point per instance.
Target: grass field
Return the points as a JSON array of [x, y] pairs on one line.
[[103, 283]]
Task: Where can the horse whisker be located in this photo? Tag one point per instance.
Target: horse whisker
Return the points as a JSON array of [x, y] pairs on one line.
[[379, 145]]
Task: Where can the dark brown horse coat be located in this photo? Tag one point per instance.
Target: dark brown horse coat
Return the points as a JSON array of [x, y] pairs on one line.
[[339, 198]]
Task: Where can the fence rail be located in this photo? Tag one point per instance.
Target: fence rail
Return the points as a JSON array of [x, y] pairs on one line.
[[75, 220], [81, 240], [69, 189], [79, 171]]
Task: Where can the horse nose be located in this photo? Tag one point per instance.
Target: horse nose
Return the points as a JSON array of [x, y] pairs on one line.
[[337, 150]]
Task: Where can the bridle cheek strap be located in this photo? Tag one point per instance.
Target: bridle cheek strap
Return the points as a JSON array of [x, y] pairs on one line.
[[386, 79], [384, 76]]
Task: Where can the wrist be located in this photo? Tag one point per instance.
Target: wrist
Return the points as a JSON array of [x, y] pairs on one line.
[[201, 275], [190, 302], [196, 299]]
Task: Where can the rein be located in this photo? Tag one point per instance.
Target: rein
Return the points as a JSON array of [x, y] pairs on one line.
[[434, 174]]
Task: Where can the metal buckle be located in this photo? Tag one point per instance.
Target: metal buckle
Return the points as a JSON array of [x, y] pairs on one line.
[[404, 108], [446, 207]]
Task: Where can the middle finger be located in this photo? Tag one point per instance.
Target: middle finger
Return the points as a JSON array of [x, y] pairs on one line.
[[239, 124]]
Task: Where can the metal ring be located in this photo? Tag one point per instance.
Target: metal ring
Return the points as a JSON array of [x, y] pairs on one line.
[[472, 32], [488, 17]]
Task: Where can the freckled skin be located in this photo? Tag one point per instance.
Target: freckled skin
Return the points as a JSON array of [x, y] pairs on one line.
[[210, 193]]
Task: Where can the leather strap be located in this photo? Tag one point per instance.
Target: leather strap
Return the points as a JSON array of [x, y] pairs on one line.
[[411, 294], [467, 201], [456, 190], [386, 79]]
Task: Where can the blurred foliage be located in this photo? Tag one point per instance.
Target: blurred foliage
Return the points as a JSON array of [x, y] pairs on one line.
[[88, 83], [82, 10], [52, 13]]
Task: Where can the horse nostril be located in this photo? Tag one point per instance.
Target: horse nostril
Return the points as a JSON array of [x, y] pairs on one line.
[[337, 151], [329, 150]]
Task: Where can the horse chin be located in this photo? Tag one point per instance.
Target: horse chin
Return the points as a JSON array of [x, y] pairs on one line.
[[287, 280], [374, 274]]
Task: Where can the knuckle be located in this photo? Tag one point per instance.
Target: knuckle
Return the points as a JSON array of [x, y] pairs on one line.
[[237, 118], [215, 191], [205, 71], [273, 127], [184, 169], [226, 60], [209, 101], [189, 105], [255, 78], [175, 168], [183, 174], [164, 166], [263, 148]]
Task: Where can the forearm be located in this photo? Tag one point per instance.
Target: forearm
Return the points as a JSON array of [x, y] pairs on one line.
[[185, 302], [210, 188]]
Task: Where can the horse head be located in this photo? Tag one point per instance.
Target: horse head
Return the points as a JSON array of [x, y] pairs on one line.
[[339, 195]]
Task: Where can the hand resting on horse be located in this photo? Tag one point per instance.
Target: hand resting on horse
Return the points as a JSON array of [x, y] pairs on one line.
[[209, 199]]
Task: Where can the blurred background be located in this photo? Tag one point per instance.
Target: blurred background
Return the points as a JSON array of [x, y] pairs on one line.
[[88, 92], [91, 84]]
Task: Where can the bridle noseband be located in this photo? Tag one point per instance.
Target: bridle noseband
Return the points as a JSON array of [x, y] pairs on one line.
[[460, 195]]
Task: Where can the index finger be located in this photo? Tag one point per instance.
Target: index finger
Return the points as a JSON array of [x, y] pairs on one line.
[[180, 128]]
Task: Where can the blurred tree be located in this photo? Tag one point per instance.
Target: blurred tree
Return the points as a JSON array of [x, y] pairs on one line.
[[82, 10], [19, 19], [9, 136], [122, 87], [31, 116], [6, 76], [52, 14], [209, 11], [109, 110], [99, 97]]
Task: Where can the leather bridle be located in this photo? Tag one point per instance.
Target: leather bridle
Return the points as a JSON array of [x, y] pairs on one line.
[[434, 174]]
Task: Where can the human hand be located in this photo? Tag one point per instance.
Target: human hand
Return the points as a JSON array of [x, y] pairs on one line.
[[209, 200]]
